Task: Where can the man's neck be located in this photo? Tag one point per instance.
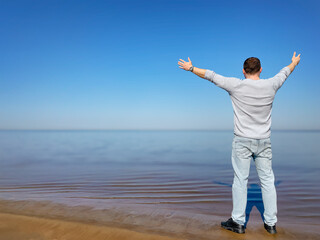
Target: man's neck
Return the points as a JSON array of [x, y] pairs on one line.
[[253, 77]]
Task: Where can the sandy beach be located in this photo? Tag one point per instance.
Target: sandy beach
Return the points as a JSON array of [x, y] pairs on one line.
[[24, 227], [20, 220], [19, 227]]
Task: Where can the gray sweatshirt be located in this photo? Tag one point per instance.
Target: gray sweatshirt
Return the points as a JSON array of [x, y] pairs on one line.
[[251, 100]]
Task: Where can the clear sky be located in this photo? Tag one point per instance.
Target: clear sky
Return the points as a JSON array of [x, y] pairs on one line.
[[113, 64]]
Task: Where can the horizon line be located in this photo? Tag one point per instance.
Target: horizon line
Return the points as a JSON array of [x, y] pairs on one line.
[[106, 129]]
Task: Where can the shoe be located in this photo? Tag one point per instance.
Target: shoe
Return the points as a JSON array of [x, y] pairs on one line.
[[233, 226], [270, 229]]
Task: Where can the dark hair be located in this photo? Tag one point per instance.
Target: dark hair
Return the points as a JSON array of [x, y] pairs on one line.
[[252, 65]]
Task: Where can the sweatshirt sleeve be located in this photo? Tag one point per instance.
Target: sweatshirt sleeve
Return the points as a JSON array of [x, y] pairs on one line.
[[226, 83], [280, 78]]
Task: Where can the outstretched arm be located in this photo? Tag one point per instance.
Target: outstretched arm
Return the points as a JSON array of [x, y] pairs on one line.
[[284, 73], [295, 61], [186, 66], [225, 83]]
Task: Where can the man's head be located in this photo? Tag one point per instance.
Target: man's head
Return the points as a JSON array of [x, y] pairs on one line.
[[252, 67]]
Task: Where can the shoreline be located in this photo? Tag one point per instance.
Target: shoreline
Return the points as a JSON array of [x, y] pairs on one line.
[[44, 220]]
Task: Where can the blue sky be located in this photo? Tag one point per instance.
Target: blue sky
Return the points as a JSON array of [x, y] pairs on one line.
[[113, 64]]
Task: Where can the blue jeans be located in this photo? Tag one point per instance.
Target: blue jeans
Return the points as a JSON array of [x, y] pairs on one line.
[[243, 150]]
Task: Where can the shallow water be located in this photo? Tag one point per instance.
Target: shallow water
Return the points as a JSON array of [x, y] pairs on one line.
[[160, 173]]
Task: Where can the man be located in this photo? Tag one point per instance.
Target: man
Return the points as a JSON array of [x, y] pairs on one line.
[[252, 100]]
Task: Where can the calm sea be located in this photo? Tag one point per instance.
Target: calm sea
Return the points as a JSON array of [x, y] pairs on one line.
[[187, 174]]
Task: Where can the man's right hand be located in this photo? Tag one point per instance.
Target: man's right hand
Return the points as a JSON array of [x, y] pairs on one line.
[[296, 59]]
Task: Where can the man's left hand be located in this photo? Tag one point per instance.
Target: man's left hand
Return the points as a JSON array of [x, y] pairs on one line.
[[185, 65]]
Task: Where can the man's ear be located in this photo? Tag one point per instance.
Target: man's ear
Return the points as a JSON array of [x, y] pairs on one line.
[[244, 72], [260, 69]]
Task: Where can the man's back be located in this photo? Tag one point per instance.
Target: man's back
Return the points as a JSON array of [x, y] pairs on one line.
[[252, 101]]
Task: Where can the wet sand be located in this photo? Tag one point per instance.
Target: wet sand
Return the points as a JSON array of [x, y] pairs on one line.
[[24, 227], [47, 221], [19, 227]]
